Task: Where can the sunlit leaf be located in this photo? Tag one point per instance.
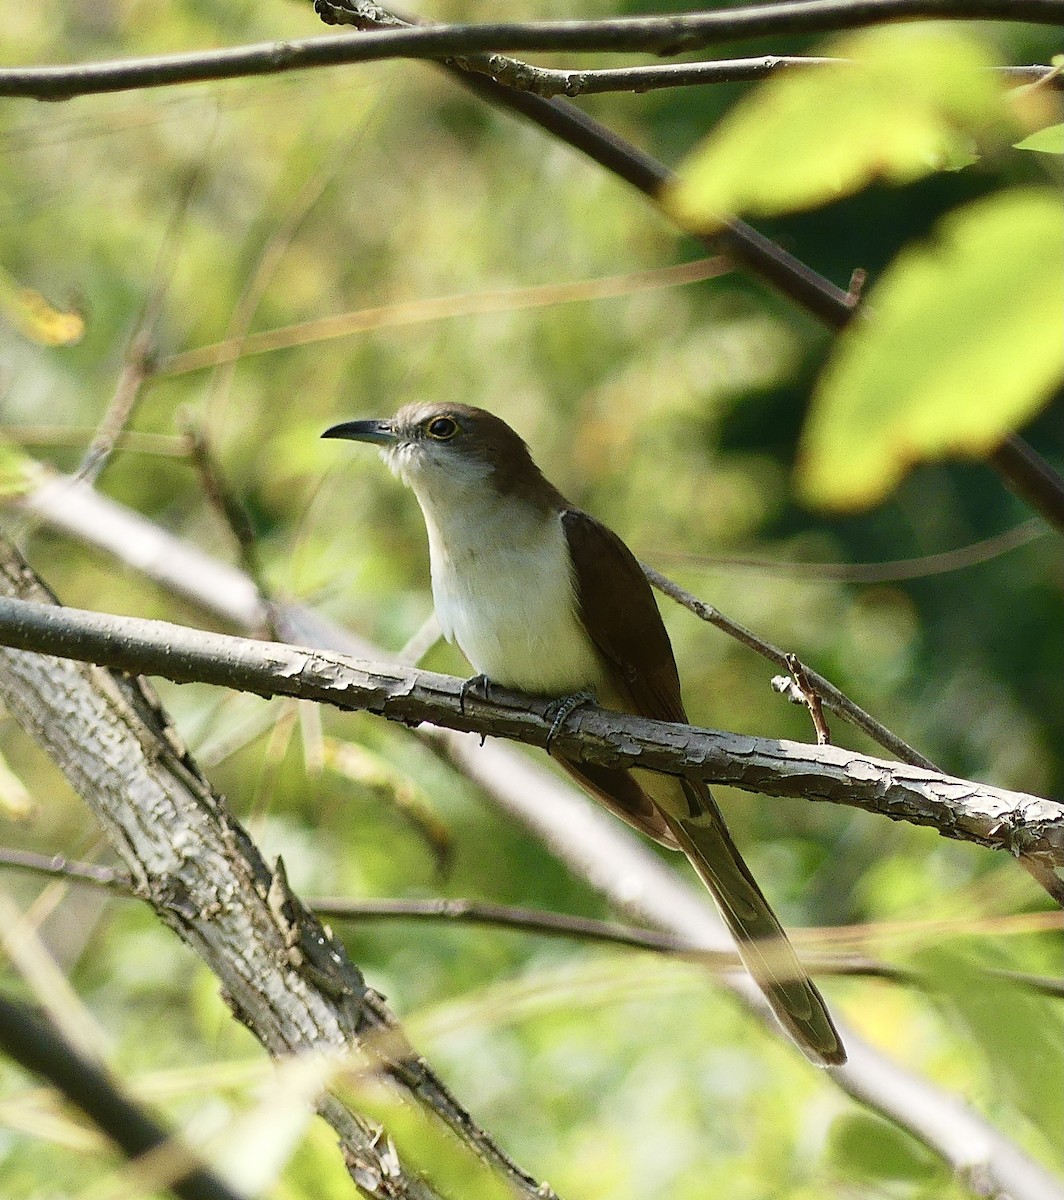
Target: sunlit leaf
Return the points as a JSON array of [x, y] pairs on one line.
[[1047, 141], [907, 103], [961, 343], [33, 316], [16, 803]]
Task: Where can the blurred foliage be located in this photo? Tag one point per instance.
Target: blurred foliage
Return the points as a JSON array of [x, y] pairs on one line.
[[918, 100], [962, 345], [672, 413]]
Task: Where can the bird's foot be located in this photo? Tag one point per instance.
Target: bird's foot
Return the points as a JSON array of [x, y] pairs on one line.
[[559, 710], [477, 684]]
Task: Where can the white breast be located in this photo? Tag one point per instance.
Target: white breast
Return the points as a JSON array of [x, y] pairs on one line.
[[503, 589]]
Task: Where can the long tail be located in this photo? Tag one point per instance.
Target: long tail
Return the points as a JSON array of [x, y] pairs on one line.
[[760, 938]]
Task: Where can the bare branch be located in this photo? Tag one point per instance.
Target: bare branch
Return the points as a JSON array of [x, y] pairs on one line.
[[594, 846], [833, 699], [993, 817], [282, 973], [548, 82], [661, 35], [942, 563], [38, 1046], [450, 910]]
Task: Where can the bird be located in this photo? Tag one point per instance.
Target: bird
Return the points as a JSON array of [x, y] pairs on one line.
[[544, 599]]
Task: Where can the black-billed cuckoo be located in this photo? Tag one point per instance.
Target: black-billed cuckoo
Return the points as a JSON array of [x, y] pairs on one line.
[[544, 599]]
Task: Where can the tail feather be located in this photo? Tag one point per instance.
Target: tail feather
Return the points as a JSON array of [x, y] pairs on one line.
[[762, 943]]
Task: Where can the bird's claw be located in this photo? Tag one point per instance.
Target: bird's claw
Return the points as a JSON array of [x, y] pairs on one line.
[[475, 684], [559, 710]]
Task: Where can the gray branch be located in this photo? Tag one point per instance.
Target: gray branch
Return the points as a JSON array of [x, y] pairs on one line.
[[958, 808], [281, 972], [672, 34], [614, 861], [547, 81]]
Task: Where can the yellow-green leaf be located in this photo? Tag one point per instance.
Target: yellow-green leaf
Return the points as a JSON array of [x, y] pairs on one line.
[[908, 102], [1047, 141], [32, 315], [15, 801], [960, 343]]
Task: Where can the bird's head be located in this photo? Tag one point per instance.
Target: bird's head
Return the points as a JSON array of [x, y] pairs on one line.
[[443, 451]]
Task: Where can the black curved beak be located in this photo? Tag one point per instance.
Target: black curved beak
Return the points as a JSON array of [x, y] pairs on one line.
[[381, 433]]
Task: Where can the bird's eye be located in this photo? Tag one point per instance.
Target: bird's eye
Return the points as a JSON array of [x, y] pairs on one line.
[[442, 428]]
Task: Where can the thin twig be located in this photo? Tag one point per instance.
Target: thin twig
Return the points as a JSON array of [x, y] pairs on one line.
[[438, 308], [834, 699], [137, 368], [448, 910], [673, 34], [803, 692], [224, 500], [894, 571], [548, 82]]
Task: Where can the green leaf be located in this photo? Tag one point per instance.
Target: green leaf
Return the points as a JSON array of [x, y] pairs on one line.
[[861, 1146], [1047, 141], [909, 102], [960, 343]]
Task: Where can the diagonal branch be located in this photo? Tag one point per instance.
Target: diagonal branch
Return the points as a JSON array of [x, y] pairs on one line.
[[40, 1047], [610, 858], [282, 973], [993, 817]]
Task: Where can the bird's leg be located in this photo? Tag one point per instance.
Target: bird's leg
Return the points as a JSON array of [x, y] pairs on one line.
[[559, 710], [475, 684]]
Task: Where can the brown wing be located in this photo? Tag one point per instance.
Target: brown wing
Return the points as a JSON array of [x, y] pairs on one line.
[[619, 613], [621, 617]]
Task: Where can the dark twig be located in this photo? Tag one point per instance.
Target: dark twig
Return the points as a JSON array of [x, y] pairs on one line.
[[673, 34], [548, 82], [58, 866], [224, 500], [835, 700], [39, 1047], [536, 921], [137, 368]]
